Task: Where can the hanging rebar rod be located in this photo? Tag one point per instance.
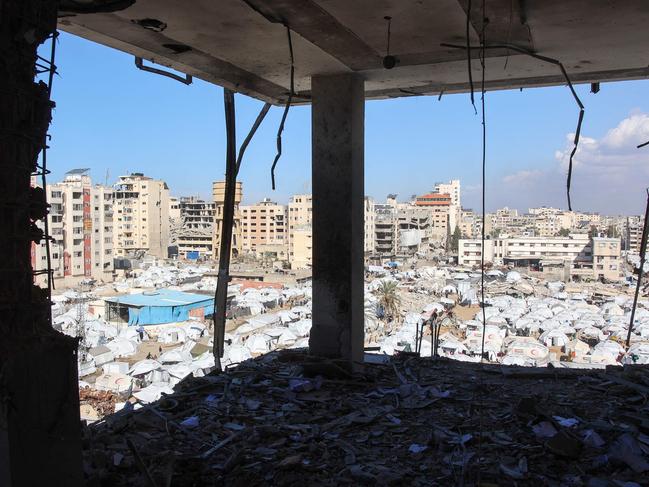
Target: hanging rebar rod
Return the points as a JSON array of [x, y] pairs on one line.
[[221, 294], [643, 250], [568, 82], [286, 108], [251, 134]]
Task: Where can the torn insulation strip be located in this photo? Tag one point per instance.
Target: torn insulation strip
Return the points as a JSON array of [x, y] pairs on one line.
[[569, 83], [286, 109]]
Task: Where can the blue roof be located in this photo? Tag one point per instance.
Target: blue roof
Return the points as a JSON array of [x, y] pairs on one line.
[[160, 297]]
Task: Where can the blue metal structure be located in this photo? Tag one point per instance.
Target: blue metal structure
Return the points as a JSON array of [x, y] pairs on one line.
[[158, 307]]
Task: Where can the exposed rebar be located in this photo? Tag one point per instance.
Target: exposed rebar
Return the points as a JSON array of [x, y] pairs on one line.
[[286, 109]]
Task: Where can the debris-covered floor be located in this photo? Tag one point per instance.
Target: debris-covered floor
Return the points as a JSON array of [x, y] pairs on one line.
[[290, 419]]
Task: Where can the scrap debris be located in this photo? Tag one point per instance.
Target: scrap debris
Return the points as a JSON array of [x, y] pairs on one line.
[[288, 418]]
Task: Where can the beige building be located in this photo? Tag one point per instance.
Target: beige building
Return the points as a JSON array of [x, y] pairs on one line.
[[81, 226], [370, 217], [218, 196], [302, 245], [142, 216], [454, 190], [262, 224], [300, 213]]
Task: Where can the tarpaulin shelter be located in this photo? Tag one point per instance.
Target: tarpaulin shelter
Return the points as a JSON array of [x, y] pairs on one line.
[[158, 307]]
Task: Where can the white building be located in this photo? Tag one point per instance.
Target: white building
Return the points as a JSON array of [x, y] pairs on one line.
[[592, 258]]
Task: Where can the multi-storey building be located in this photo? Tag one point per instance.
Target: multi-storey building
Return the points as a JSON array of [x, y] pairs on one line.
[[439, 205], [369, 226], [385, 229], [218, 196], [300, 213], [633, 234], [414, 228], [142, 214], [81, 227], [453, 189], [195, 236], [262, 224], [302, 245], [579, 254]]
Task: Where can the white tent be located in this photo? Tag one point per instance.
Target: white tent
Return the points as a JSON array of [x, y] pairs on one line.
[[122, 347], [153, 392], [301, 328], [175, 355], [113, 382], [172, 334], [144, 367], [257, 344]]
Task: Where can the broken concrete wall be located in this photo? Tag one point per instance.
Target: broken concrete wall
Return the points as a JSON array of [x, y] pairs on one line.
[[39, 404]]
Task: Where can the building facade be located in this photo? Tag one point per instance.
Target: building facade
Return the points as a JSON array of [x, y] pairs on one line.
[[218, 196], [579, 254], [262, 224], [81, 226], [142, 216]]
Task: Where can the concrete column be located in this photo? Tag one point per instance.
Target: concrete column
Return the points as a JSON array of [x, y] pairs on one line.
[[338, 119]]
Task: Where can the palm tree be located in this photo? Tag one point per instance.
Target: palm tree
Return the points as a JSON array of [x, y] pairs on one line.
[[389, 299]]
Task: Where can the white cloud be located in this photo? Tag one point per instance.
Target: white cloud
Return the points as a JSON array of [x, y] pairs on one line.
[[609, 174]]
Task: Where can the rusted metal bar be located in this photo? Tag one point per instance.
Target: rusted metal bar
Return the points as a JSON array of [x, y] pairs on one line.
[[643, 248], [220, 298]]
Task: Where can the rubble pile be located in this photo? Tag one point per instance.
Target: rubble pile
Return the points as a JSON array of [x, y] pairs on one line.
[[287, 418], [102, 402]]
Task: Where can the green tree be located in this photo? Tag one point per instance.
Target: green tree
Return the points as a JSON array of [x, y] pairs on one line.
[[593, 232], [612, 232], [564, 232], [389, 299], [455, 239]]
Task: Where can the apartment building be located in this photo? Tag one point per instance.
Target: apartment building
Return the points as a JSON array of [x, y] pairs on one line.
[[439, 205], [218, 196], [385, 229], [454, 190], [470, 223], [633, 233], [300, 213], [195, 237], [142, 216], [81, 226], [302, 247], [592, 258], [263, 224], [369, 226]]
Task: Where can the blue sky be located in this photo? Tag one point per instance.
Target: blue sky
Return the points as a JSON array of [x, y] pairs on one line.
[[111, 117]]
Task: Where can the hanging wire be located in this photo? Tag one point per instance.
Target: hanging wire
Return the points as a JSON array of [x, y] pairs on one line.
[[483, 42], [568, 82], [642, 145], [468, 54], [484, 174], [286, 109], [43, 173]]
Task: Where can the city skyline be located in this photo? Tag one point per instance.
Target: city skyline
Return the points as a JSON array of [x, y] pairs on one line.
[[410, 142]]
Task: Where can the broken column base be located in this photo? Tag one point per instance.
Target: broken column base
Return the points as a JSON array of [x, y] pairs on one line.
[[40, 433]]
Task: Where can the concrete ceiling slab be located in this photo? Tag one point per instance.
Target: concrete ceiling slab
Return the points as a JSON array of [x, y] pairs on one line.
[[243, 44]]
